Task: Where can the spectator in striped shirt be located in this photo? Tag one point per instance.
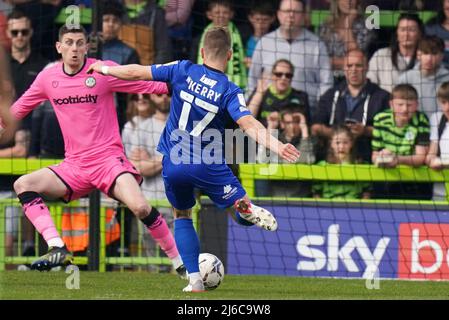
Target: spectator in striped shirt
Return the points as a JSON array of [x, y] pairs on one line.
[[401, 136]]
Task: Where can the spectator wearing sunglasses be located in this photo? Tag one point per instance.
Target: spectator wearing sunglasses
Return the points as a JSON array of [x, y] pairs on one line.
[[352, 103], [273, 93]]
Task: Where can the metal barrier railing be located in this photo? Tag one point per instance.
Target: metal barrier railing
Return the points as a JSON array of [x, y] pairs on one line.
[[331, 172], [248, 174]]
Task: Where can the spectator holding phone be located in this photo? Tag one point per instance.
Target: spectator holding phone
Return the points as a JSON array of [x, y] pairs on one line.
[[352, 103]]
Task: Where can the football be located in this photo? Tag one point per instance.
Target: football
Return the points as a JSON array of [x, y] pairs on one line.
[[211, 270]]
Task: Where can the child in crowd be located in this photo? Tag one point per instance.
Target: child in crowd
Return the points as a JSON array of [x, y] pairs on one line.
[[341, 151], [401, 136], [261, 17], [220, 13]]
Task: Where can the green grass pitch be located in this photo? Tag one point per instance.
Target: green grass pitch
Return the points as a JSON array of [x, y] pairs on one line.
[[144, 285]]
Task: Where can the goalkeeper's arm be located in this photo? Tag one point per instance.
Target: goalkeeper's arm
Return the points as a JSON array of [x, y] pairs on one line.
[[125, 72], [253, 128]]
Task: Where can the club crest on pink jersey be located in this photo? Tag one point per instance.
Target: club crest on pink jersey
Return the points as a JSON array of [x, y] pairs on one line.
[[90, 82]]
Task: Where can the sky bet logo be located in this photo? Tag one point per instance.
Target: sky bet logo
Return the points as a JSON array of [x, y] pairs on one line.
[[350, 243], [88, 98], [339, 253], [423, 251]]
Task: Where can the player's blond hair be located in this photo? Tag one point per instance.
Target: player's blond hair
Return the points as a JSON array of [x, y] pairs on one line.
[[217, 43]]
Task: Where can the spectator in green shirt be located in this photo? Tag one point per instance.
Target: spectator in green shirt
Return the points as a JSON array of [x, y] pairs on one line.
[[401, 136], [341, 151]]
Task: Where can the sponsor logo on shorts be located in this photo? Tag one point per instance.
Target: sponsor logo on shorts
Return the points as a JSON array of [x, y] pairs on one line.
[[229, 191]]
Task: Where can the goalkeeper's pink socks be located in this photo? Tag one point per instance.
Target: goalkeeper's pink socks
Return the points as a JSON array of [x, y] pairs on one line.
[[161, 233], [158, 228], [39, 215]]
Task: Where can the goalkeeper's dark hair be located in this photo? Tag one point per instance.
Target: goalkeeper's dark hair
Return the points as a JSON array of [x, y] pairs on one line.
[[217, 42], [71, 29]]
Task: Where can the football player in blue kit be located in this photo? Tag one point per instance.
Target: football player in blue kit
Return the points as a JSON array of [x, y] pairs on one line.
[[202, 99]]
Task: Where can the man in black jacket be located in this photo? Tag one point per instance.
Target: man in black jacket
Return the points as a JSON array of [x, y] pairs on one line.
[[352, 103]]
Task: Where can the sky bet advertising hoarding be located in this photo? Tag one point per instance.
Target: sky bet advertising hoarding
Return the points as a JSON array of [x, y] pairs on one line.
[[320, 241]]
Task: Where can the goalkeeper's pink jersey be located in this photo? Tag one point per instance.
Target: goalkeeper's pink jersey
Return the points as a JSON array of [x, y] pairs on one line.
[[85, 108]]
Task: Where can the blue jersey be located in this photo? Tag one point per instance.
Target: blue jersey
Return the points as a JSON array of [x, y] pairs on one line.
[[202, 99]]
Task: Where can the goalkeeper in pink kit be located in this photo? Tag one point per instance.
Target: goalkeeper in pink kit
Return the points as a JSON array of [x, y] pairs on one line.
[[94, 154]]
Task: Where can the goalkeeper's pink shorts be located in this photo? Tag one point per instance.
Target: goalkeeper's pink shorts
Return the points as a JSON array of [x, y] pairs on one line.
[[81, 178]]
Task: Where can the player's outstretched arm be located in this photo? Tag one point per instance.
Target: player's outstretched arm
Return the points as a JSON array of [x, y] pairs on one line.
[[125, 72], [259, 133]]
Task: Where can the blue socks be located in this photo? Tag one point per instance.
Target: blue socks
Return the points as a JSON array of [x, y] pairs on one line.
[[188, 244]]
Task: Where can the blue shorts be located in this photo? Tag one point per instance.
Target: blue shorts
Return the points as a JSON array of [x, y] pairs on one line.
[[215, 180]]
